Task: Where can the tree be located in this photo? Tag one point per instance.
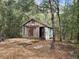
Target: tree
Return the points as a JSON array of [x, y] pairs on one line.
[[53, 6], [78, 19], [12, 14], [53, 25], [46, 6], [69, 21], [58, 13]]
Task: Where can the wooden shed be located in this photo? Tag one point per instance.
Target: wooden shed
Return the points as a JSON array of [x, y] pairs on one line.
[[36, 29]]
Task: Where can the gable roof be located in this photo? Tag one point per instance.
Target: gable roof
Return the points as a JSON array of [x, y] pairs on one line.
[[37, 22]]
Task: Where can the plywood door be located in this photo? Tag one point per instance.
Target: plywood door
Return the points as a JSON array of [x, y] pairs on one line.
[[30, 32]]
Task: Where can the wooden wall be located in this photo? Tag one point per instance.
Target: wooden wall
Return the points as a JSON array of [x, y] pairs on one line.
[[36, 29]]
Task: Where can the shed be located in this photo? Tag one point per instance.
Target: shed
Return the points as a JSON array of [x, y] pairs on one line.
[[36, 29]]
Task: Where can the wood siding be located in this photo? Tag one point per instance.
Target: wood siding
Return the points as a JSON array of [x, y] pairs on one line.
[[32, 29]]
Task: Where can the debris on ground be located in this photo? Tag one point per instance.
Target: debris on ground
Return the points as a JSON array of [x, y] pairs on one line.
[[20, 48]]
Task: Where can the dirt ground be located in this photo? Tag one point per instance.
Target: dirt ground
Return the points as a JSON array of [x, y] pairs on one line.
[[20, 48]]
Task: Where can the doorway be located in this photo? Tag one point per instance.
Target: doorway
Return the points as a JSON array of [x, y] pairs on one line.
[[42, 32]]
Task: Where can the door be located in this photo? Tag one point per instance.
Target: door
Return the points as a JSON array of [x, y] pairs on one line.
[[30, 32], [42, 33]]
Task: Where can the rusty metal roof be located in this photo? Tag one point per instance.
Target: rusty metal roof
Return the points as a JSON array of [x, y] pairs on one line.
[[35, 21]]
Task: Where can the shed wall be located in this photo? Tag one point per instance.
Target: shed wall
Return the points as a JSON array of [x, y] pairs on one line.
[[48, 33], [35, 32]]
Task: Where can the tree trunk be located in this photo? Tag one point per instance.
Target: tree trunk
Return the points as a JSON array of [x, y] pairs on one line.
[[78, 20], [71, 37], [59, 20], [53, 25], [78, 36], [60, 27]]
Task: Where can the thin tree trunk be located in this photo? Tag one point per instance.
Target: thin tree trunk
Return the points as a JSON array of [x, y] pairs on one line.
[[78, 20], [60, 26], [63, 33], [53, 25], [71, 37], [59, 20]]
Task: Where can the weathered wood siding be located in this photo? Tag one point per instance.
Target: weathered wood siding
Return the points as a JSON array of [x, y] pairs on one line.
[[36, 32], [25, 32], [33, 27], [48, 33]]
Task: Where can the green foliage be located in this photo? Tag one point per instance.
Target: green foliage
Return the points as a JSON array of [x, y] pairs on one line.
[[69, 21], [12, 14]]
